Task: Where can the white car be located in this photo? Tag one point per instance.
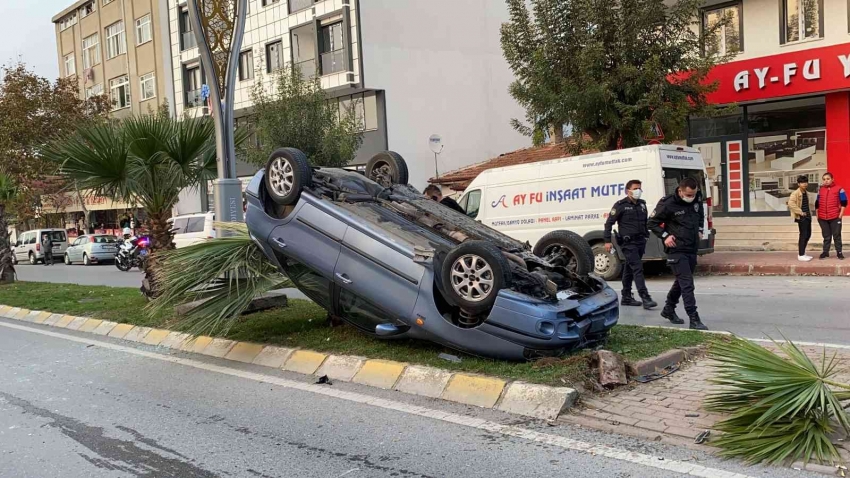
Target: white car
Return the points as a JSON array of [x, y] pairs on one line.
[[192, 228], [92, 249], [28, 246]]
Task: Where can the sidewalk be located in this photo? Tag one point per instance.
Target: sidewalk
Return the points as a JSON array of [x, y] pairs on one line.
[[770, 263]]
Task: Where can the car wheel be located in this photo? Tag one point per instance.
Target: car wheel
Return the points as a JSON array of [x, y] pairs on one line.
[[33, 260], [606, 265], [86, 260], [287, 174], [473, 274], [14, 259], [67, 259], [387, 168], [567, 249]]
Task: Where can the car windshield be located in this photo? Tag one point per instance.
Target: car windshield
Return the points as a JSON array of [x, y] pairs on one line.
[[104, 239]]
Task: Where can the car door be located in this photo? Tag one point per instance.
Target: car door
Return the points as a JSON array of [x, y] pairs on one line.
[[179, 228], [21, 247], [312, 237], [194, 231], [69, 253], [79, 248]]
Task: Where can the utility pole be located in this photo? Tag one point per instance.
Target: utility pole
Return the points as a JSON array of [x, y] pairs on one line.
[[219, 26]]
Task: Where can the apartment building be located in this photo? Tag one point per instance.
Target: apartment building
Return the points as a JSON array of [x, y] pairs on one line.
[[117, 47], [411, 70]]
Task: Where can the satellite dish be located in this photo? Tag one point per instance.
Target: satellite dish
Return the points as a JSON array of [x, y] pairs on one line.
[[435, 142]]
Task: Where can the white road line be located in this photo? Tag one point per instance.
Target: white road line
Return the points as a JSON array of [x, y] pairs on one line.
[[767, 341], [690, 469]]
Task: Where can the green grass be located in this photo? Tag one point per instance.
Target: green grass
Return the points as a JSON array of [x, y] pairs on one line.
[[303, 324]]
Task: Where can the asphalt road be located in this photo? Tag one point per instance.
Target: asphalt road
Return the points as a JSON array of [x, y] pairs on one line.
[[75, 405]]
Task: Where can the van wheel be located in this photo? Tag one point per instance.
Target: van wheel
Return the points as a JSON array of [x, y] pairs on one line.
[[387, 168], [33, 260], [566, 249], [287, 174], [608, 266], [472, 275]]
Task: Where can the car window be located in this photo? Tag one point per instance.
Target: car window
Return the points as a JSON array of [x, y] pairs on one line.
[[76, 242], [84, 240], [195, 224], [58, 236], [312, 284], [472, 203], [31, 238], [104, 239], [673, 176], [180, 225], [361, 312]]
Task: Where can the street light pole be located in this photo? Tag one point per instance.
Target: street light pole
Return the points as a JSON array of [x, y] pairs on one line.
[[219, 26]]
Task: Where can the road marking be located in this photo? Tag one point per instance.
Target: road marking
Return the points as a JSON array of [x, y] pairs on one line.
[[690, 469], [767, 341]]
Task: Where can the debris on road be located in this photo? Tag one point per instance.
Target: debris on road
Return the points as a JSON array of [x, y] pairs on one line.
[[324, 380], [450, 358], [611, 368], [656, 375]]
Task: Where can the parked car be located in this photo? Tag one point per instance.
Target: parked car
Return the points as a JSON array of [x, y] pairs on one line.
[[374, 252], [28, 245], [192, 228], [92, 249]]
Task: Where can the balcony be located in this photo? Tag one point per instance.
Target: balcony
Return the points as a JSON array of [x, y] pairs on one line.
[[194, 99], [333, 62]]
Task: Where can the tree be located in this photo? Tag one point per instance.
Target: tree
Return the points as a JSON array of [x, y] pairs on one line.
[[610, 69], [8, 191], [298, 114]]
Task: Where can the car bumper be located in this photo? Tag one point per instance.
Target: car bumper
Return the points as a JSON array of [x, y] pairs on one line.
[[102, 256]]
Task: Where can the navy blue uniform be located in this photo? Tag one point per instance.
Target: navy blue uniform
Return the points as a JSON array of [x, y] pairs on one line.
[[631, 219]]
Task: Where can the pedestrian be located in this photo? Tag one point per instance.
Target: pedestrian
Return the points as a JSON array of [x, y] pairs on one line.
[[830, 206], [630, 214], [47, 245], [433, 192], [678, 221], [798, 204]]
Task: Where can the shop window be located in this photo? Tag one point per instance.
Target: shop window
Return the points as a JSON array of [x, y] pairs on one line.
[[716, 126], [724, 27], [802, 20]]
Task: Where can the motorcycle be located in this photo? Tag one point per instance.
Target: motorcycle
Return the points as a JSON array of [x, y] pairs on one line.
[[133, 253]]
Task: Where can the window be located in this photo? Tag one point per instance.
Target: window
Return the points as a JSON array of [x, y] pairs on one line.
[[91, 51], [332, 49], [116, 40], [274, 56], [803, 20], [314, 286], [723, 28], [192, 84], [471, 203], [180, 225], [94, 90], [147, 85], [187, 34], [246, 65], [266, 3], [119, 91], [87, 9], [57, 236], [297, 5], [143, 29], [362, 313], [195, 224], [70, 65], [304, 49], [68, 22], [107, 2]]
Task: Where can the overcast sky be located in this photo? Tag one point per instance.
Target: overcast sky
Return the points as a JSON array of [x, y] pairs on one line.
[[27, 33]]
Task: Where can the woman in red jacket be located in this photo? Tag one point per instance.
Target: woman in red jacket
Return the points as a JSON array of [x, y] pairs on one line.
[[830, 206]]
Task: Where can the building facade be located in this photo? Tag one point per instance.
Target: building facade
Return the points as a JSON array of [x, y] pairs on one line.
[[788, 87], [118, 48]]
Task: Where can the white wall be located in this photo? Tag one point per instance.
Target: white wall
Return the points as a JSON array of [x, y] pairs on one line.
[[441, 64]]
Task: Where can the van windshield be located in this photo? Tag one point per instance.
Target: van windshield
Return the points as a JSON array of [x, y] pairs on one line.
[[672, 177]]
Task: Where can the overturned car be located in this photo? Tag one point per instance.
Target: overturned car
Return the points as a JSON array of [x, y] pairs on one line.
[[375, 253]]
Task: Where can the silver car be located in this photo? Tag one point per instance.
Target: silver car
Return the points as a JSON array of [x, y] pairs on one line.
[[92, 249]]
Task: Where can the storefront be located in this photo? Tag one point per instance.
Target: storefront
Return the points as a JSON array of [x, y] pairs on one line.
[[790, 117], [105, 216]]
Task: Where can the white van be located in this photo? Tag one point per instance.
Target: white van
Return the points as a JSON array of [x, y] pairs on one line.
[[577, 193], [192, 228], [28, 246]]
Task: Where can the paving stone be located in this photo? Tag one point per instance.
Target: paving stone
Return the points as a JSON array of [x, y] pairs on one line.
[[654, 426]]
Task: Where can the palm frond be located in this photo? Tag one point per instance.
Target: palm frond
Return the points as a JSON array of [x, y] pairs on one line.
[[226, 274], [8, 188]]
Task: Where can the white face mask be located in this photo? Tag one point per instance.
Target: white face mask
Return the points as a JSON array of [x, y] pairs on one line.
[[689, 200], [636, 193]]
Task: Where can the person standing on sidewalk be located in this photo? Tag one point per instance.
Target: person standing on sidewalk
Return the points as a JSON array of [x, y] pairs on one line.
[[678, 221], [830, 206], [798, 204], [47, 245], [630, 215]]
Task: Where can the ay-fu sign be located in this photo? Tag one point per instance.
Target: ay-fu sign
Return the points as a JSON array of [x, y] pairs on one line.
[[804, 72]]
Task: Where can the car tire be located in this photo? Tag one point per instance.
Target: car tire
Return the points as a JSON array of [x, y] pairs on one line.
[[287, 174], [465, 262], [568, 249], [67, 260], [14, 259], [606, 265], [33, 260], [387, 168], [86, 260]]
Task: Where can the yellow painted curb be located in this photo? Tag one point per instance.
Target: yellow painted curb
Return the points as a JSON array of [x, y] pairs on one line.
[[174, 340], [272, 356], [104, 328], [4, 309], [64, 321], [120, 331], [197, 345], [155, 336], [244, 352], [41, 317], [474, 390], [218, 348], [304, 361], [53, 319], [90, 325], [21, 314], [77, 323], [137, 334], [380, 373]]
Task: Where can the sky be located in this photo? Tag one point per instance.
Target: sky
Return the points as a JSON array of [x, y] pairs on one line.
[[26, 32]]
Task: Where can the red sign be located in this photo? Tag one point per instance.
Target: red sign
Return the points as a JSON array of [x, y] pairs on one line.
[[817, 70]]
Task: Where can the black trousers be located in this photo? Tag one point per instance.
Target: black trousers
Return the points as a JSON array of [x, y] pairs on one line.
[[633, 268], [831, 231], [805, 226], [683, 266], [48, 258]]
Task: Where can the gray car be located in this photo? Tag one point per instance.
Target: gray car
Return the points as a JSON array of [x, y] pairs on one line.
[[376, 254], [92, 249]]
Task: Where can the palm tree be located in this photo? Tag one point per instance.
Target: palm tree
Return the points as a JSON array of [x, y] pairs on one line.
[[8, 191], [147, 160]]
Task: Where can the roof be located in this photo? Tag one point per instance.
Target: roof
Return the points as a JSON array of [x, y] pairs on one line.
[[68, 10], [459, 179]]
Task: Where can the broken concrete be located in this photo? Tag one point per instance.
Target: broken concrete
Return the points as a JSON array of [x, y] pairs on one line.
[[611, 368]]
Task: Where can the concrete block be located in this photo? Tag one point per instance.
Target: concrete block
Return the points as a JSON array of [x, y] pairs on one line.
[[90, 325], [304, 361], [4, 309], [52, 320], [244, 352], [104, 328], [175, 340], [196, 344], [137, 334], [657, 363], [11, 313], [31, 316], [155, 336], [21, 314], [425, 381], [272, 356], [218, 347], [41, 317], [474, 390], [77, 323], [538, 401], [64, 321], [341, 367], [120, 331], [380, 373]]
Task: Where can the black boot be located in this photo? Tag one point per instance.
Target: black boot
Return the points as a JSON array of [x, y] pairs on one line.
[[648, 303], [670, 314], [697, 324], [629, 301]]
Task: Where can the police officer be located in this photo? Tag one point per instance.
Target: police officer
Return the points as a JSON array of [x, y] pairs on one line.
[[630, 215], [678, 221]]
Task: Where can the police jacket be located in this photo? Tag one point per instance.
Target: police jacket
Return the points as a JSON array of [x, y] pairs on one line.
[[630, 218], [674, 217]]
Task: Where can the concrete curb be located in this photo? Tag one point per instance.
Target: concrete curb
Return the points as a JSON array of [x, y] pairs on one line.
[[662, 361], [531, 400], [802, 269]]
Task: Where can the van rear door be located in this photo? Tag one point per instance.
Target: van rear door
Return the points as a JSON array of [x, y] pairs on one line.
[[678, 164]]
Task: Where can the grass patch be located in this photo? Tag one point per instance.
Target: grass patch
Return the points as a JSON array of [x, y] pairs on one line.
[[302, 324]]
